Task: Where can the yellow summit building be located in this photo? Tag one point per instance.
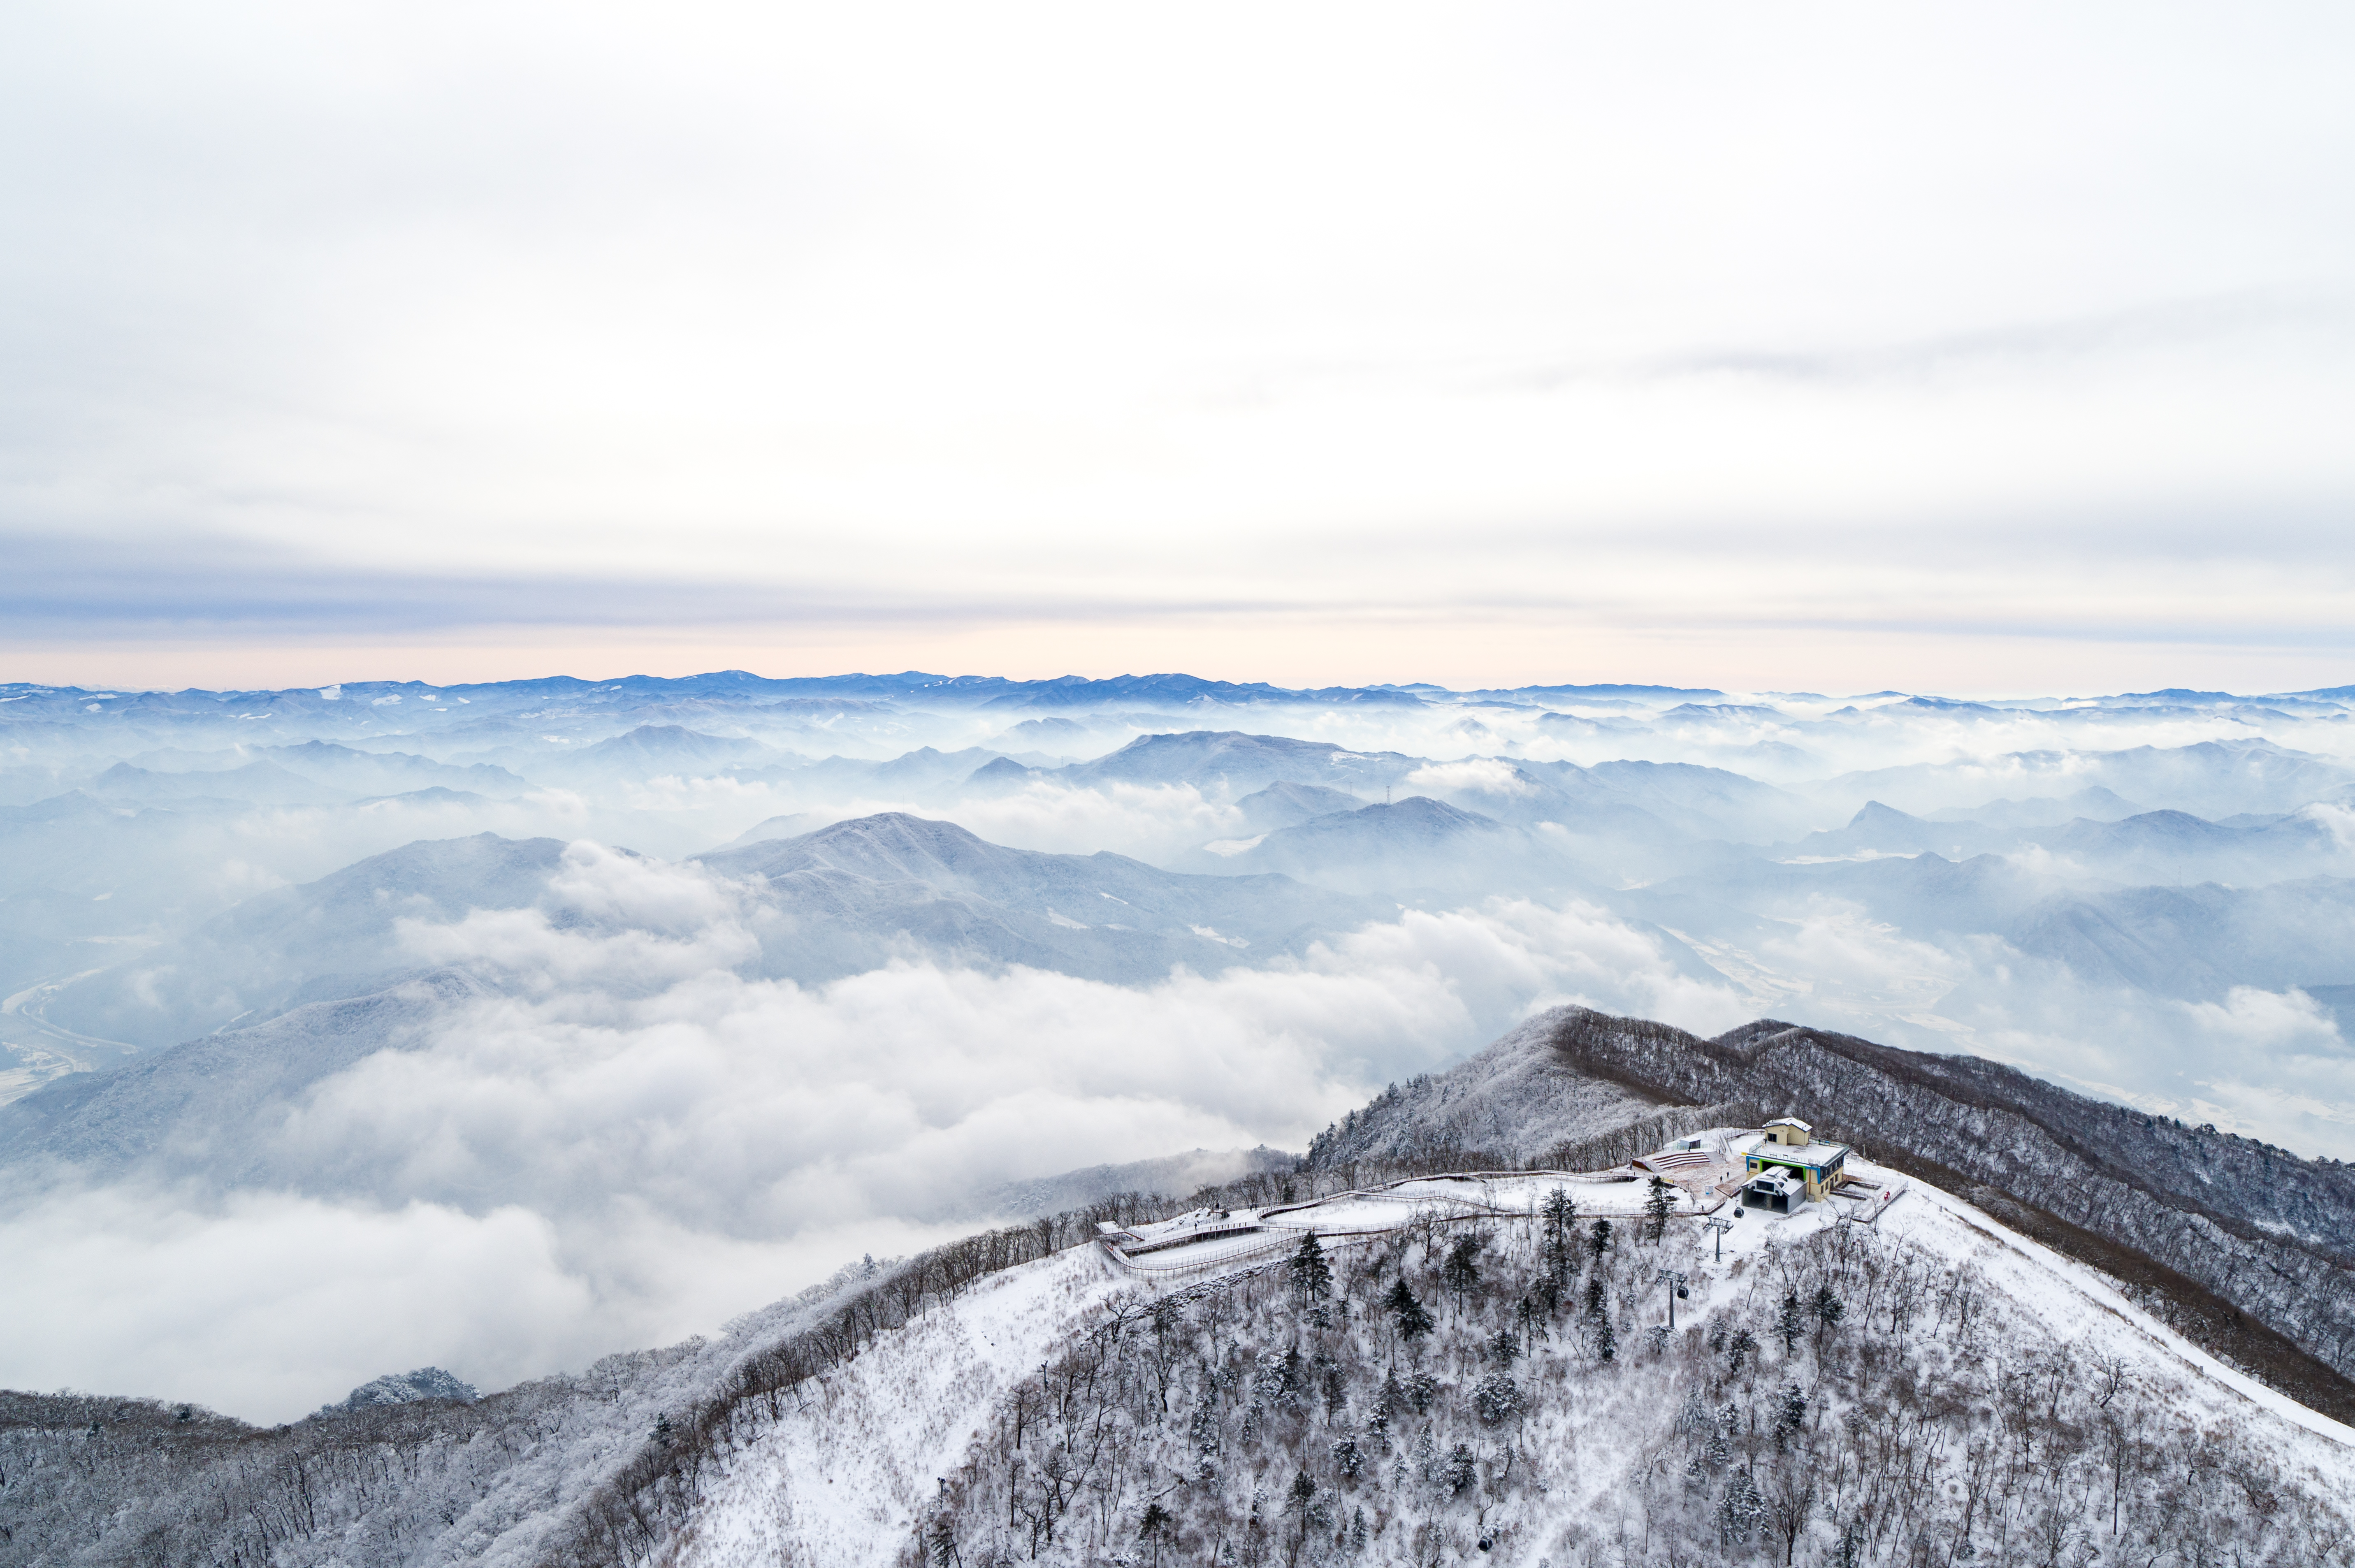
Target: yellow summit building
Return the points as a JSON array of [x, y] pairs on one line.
[[1790, 1167]]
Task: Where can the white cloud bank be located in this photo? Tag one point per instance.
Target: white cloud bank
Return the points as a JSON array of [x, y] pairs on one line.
[[634, 1143]]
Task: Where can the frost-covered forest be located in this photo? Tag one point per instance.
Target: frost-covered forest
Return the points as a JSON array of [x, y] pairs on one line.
[[1850, 1398]]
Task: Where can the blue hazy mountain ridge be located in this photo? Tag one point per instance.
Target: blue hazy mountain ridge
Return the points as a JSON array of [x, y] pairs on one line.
[[258, 955], [924, 773], [1241, 764], [664, 748], [2197, 942], [2208, 778], [316, 773], [2152, 847], [2095, 803], [373, 704], [309, 980], [840, 901], [1414, 848], [1704, 801], [1287, 805], [1884, 829], [845, 898], [377, 773], [2193, 941], [121, 871], [925, 770], [210, 1107], [1638, 802], [256, 783]]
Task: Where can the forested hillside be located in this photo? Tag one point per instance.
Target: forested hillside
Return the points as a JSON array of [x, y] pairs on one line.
[[2250, 1244], [1929, 1391]]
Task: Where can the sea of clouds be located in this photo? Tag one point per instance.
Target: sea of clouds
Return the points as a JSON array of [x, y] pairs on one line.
[[624, 1140]]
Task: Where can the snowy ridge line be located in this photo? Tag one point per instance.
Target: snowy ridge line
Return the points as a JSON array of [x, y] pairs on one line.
[[2250, 1228], [642, 1503], [1461, 1207], [627, 1519], [1291, 1221], [1222, 1264]]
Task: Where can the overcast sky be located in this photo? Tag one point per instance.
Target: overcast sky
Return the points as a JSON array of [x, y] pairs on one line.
[[1969, 349]]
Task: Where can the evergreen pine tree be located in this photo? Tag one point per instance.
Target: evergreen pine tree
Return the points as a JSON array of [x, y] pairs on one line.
[[1717, 1441], [1426, 1458], [1790, 1323], [1413, 1322], [1790, 1413], [1658, 1207], [1828, 1307], [1740, 1512], [1156, 1524], [1561, 1247], [1312, 1275], [1606, 1343], [1497, 1399], [1462, 1470], [1528, 1319], [1461, 1271], [1202, 1431], [1598, 1240]]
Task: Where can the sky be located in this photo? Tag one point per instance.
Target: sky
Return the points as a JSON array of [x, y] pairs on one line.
[[1982, 349]]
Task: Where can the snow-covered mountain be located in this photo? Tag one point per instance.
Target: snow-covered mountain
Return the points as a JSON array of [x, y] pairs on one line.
[[1459, 1365], [1830, 1392]]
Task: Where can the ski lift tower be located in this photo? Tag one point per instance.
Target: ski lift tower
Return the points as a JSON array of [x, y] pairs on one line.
[[1720, 1224], [1676, 1284]]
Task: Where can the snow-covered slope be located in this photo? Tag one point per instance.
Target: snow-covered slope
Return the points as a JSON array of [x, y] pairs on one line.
[[840, 1480], [1514, 1099], [1954, 1339]]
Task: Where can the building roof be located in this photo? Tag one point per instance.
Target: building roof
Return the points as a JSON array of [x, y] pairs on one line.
[[1790, 1122], [1801, 1154]]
